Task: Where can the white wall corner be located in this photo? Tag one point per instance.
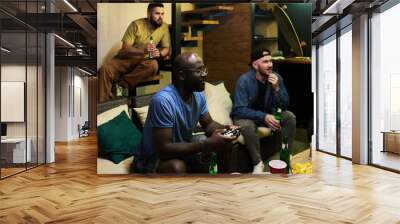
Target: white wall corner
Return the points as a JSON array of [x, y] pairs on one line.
[[360, 90], [50, 94]]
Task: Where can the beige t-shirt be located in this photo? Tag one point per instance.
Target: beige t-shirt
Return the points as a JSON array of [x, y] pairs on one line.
[[139, 31]]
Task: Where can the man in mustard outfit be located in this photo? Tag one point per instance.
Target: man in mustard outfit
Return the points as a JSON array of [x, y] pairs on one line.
[[136, 60]]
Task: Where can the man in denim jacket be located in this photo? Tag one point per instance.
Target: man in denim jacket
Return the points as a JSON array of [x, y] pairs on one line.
[[258, 94]]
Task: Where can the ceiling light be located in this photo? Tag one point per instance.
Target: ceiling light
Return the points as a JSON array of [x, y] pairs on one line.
[[84, 71], [337, 7], [64, 40], [5, 50], [70, 5]]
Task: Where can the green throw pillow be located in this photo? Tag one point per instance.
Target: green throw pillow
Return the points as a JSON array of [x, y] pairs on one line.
[[118, 138]]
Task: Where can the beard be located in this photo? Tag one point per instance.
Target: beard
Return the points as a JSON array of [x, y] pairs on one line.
[[156, 23], [194, 84], [200, 87]]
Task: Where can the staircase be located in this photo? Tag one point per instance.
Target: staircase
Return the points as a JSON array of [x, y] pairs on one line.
[[200, 19]]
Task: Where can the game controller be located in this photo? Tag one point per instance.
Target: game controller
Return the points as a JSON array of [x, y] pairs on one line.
[[231, 133]]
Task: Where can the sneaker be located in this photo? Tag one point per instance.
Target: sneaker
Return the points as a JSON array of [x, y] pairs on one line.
[[259, 168]]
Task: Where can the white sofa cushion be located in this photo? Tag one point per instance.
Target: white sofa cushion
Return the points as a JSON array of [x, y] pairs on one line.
[[219, 103], [105, 166], [110, 114], [142, 113]]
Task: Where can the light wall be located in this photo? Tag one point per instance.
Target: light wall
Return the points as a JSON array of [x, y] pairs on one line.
[[71, 102], [16, 73], [33, 127], [360, 90], [61, 103]]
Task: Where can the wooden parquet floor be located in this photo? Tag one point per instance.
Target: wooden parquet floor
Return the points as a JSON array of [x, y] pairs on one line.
[[70, 191]]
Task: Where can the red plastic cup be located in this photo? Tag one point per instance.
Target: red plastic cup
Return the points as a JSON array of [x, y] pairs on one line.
[[277, 166]]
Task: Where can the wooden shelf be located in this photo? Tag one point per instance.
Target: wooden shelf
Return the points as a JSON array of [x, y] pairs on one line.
[[192, 38], [207, 10], [264, 16], [296, 60], [265, 30], [150, 81], [265, 38], [200, 22]]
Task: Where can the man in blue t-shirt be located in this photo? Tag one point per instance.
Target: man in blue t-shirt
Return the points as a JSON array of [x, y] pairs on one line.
[[168, 145]]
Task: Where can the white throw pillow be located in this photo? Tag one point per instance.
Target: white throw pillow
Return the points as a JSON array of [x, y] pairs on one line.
[[219, 103], [110, 114], [105, 166], [142, 113]]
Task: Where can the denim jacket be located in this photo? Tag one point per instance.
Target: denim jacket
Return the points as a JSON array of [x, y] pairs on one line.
[[245, 97]]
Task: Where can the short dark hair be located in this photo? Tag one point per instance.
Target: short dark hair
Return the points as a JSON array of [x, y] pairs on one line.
[[151, 6], [180, 63]]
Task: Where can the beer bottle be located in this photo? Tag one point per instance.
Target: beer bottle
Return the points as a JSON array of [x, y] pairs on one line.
[[285, 154], [213, 169], [278, 116], [151, 42]]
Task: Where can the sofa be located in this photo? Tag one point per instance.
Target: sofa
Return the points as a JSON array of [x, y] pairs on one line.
[[219, 105]]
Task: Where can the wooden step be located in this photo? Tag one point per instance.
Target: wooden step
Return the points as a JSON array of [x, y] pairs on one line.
[[187, 36], [200, 22], [152, 80], [208, 10], [192, 38]]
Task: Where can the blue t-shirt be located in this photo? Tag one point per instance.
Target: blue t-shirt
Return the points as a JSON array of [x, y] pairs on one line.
[[168, 110]]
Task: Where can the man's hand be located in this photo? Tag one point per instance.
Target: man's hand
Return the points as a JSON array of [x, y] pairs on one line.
[[129, 51], [150, 47], [232, 127], [216, 142], [153, 51], [274, 80], [271, 122]]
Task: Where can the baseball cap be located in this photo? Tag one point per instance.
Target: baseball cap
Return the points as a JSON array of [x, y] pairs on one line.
[[259, 53]]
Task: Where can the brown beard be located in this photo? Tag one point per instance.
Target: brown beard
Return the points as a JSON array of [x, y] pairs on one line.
[[154, 23]]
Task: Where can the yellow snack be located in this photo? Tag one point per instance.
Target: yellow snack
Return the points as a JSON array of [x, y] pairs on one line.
[[302, 168]]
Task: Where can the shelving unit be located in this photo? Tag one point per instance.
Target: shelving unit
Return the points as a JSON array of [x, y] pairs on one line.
[[264, 27]]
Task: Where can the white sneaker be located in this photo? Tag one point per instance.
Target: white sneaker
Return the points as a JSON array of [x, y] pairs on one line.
[[259, 168]]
